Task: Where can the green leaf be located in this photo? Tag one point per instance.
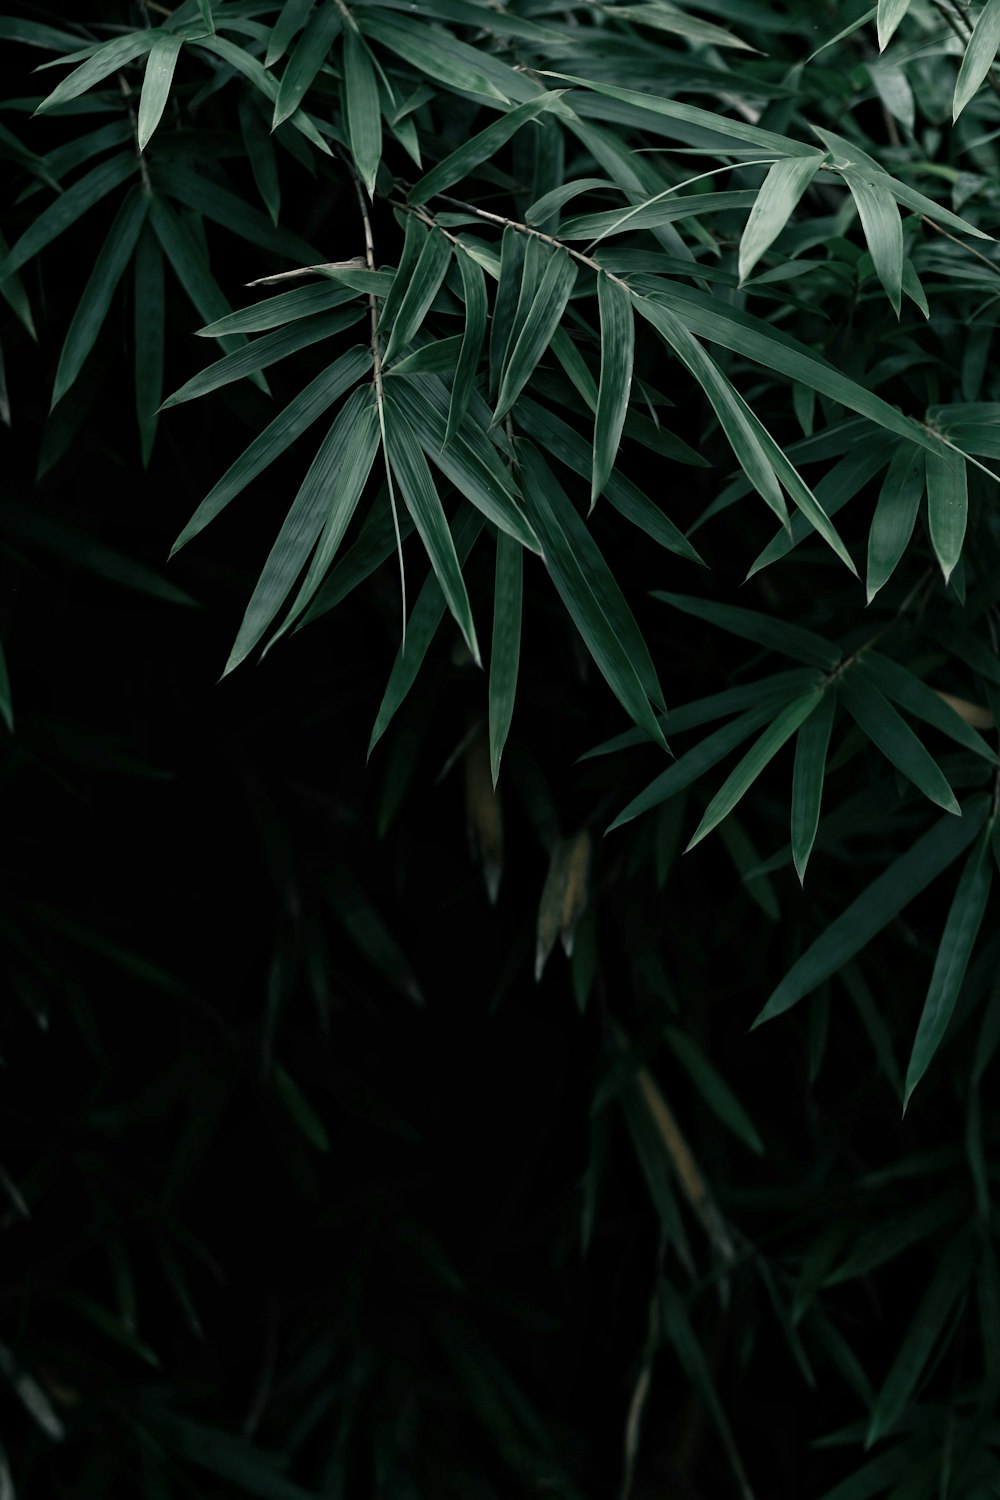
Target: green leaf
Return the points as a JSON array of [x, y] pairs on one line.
[[435, 358], [895, 516], [979, 55], [513, 249], [617, 350], [957, 942], [883, 230], [233, 212], [739, 781], [275, 311], [662, 209], [265, 351], [506, 647], [949, 1281], [438, 55], [13, 292], [92, 309], [780, 191], [713, 1088], [107, 59], [414, 239], [67, 208], [319, 516], [292, 16], [473, 335], [409, 466], [156, 83], [560, 441], [540, 324], [482, 147], [311, 52], [589, 593], [882, 724], [259, 151], [300, 1109], [6, 702], [876, 907], [776, 634], [300, 413], [807, 780], [469, 461], [947, 507], [421, 627], [906, 689], [205, 11], [421, 289], [889, 14], [362, 110], [253, 70]]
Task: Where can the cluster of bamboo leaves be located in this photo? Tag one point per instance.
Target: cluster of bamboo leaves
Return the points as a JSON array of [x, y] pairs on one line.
[[552, 311]]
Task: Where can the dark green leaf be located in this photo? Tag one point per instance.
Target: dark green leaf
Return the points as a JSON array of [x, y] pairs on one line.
[[506, 647], [265, 351], [617, 348], [895, 516], [67, 208], [713, 1088], [896, 740], [421, 289], [102, 62], [473, 335], [310, 53], [156, 83], [899, 684], [979, 55], [807, 779], [776, 634], [541, 322], [285, 308], [361, 103], [780, 191], [292, 16], [883, 231], [947, 507]]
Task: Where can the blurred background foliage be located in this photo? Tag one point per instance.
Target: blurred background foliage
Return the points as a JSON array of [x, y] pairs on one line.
[[383, 1108]]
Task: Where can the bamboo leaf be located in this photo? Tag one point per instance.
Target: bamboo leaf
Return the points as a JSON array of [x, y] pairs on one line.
[[739, 781], [979, 56], [362, 109], [92, 309], [309, 54], [292, 16], [150, 318], [109, 58], [906, 689], [422, 288], [482, 147], [408, 464], [876, 907], [713, 1088], [807, 780], [185, 259], [67, 208], [888, 17], [473, 335], [776, 634], [259, 151], [540, 324], [947, 507], [285, 308], [895, 516], [156, 83], [414, 239], [253, 69], [300, 413], [954, 952], [319, 516], [780, 191], [883, 231], [265, 351], [896, 740], [617, 351], [6, 702], [506, 647]]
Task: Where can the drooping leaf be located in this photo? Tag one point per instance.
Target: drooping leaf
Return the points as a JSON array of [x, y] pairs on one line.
[[362, 109], [896, 740], [292, 16], [159, 74], [713, 1088], [876, 907], [104, 60], [883, 231], [979, 55], [889, 15], [947, 507], [506, 645], [541, 322], [473, 335], [895, 516], [617, 350], [779, 194], [482, 147], [67, 208], [954, 952], [808, 775], [308, 56], [906, 689], [422, 288]]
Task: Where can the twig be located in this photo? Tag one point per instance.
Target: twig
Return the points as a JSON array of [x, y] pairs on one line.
[[956, 241]]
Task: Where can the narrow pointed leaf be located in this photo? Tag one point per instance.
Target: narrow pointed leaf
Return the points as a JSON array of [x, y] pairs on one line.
[[506, 648], [273, 312], [234, 213], [575, 574], [482, 147], [292, 16], [883, 230], [67, 208], [713, 1088], [541, 323], [896, 740], [300, 413], [979, 55], [253, 69], [6, 702], [325, 503], [954, 952], [428, 612], [895, 516], [513, 248], [260, 153], [107, 59], [740, 780], [310, 53], [422, 288], [780, 191], [888, 17], [185, 259], [150, 320], [265, 351], [361, 105], [409, 466], [414, 238], [156, 83], [617, 350], [535, 259], [903, 687], [876, 907], [952, 1275], [807, 779], [92, 309], [473, 335], [947, 507], [776, 634]]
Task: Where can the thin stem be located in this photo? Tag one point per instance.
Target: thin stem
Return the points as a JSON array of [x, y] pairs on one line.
[[376, 349], [956, 241]]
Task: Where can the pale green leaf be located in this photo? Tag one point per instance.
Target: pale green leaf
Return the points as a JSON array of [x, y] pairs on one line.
[[156, 83], [888, 17], [780, 191], [947, 507], [979, 55], [883, 230], [895, 516]]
